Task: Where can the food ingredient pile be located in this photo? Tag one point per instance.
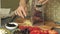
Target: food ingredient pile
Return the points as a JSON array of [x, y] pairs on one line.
[[2, 31]]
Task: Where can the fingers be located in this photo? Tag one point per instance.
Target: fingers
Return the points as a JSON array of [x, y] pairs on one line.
[[15, 12], [24, 12], [20, 12]]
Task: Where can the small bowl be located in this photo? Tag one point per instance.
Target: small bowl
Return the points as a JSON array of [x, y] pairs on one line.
[[11, 28]]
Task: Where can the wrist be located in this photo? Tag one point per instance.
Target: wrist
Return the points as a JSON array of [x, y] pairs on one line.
[[22, 3]]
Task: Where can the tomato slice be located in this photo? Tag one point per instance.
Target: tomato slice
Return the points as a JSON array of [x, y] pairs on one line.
[[35, 32], [23, 27]]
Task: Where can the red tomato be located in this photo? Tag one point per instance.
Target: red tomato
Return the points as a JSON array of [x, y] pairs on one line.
[[35, 32], [56, 33], [46, 32], [23, 27], [41, 31], [35, 28], [52, 32], [30, 28]]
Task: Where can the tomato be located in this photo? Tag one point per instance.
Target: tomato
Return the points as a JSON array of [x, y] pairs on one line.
[[46, 32], [41, 31], [52, 32], [23, 27], [30, 28], [56, 33], [35, 32], [33, 28]]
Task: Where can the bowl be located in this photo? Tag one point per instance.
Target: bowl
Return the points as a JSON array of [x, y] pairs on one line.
[[10, 25]]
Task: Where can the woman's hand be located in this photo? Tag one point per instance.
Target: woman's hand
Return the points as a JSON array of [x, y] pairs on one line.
[[43, 1], [21, 11]]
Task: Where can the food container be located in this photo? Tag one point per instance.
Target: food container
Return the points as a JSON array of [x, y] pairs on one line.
[[11, 25]]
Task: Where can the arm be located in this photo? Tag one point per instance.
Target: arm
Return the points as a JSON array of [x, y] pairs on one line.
[[21, 10], [22, 3]]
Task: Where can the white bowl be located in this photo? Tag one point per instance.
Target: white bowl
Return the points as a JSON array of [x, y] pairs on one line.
[[11, 28]]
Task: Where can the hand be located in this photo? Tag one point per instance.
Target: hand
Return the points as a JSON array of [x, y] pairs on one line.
[[43, 1], [21, 11]]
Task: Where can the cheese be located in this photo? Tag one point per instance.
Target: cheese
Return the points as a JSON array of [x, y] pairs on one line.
[[28, 22]]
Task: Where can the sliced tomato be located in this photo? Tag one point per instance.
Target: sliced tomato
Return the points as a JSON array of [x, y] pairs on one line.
[[46, 32], [23, 27], [35, 32], [30, 28]]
